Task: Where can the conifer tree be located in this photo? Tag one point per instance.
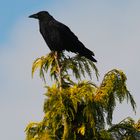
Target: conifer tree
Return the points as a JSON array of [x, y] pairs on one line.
[[77, 109]]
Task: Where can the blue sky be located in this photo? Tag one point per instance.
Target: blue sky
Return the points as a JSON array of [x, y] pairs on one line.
[[109, 28], [11, 11]]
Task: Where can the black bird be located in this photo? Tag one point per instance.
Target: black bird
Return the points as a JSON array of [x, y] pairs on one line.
[[59, 37]]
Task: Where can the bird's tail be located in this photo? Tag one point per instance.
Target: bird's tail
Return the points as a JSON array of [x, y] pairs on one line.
[[90, 57], [83, 51]]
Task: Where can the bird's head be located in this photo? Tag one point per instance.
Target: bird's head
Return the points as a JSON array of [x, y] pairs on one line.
[[42, 15]]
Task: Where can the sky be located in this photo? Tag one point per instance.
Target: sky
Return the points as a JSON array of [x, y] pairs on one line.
[[109, 28]]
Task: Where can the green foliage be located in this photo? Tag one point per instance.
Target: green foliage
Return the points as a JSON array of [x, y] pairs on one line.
[[112, 88], [36, 131], [81, 110], [125, 130], [79, 66]]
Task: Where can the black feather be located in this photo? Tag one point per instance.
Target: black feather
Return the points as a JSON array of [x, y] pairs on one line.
[[59, 37]]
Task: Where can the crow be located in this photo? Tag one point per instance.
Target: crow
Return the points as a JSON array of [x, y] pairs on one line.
[[59, 37]]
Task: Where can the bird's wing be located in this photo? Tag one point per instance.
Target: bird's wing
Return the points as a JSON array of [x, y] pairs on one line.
[[62, 28], [70, 40], [67, 36]]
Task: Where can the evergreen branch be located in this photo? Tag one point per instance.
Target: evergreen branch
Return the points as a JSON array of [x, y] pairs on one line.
[[113, 87], [125, 129], [80, 110]]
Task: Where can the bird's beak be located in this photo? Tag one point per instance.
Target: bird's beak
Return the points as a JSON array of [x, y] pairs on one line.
[[34, 16]]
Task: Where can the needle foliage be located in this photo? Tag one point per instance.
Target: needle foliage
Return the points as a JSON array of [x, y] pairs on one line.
[[79, 109]]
